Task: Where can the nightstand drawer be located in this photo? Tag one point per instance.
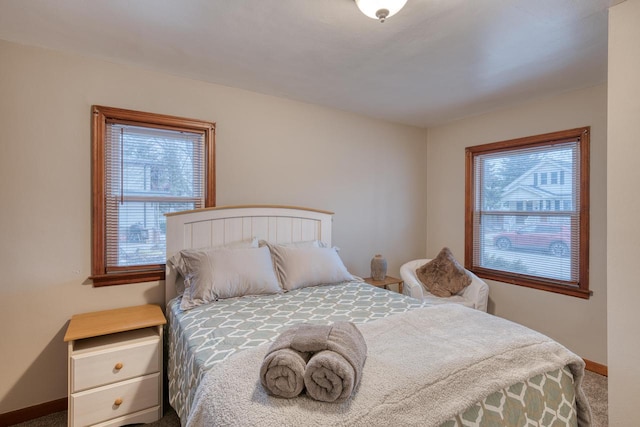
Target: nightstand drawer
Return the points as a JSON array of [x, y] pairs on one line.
[[115, 400], [115, 358]]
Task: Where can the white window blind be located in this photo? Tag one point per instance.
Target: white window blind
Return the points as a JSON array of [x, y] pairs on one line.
[[526, 212], [148, 172]]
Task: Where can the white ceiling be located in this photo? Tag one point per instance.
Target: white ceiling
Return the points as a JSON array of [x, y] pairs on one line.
[[433, 62]]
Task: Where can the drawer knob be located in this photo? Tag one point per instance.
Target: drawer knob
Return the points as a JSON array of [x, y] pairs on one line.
[[118, 402], [118, 366]]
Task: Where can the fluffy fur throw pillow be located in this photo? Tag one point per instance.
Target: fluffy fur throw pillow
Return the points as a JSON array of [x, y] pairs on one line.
[[443, 276]]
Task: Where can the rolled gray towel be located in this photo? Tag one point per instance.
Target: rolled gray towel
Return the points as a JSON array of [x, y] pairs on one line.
[[309, 338], [334, 372], [282, 369]]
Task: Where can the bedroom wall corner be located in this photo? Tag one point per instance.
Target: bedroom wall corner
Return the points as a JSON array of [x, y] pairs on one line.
[[623, 207]]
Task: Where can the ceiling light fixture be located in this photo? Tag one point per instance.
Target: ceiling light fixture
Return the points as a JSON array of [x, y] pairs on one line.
[[380, 9]]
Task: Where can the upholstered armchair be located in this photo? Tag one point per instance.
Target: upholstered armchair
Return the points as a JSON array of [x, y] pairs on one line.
[[476, 295]]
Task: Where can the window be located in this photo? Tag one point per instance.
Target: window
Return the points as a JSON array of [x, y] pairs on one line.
[[545, 249], [144, 165], [543, 178]]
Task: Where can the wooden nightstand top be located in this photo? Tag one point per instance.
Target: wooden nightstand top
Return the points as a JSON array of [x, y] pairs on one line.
[[87, 325], [389, 280]]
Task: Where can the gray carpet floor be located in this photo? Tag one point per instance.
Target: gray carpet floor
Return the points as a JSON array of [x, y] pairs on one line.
[[594, 386]]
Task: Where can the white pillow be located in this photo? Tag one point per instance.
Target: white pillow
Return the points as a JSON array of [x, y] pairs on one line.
[[176, 263], [227, 273], [300, 267]]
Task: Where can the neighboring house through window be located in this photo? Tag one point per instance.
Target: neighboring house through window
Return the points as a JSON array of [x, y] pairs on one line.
[[527, 211], [144, 165]]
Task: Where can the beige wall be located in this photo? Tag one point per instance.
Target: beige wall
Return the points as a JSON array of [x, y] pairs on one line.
[[577, 323], [623, 247], [269, 150]]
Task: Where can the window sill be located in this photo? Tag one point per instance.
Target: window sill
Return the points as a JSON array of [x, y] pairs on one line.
[[530, 282], [125, 278]]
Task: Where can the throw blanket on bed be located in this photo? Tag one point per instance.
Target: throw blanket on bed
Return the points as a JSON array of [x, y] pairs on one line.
[[423, 367]]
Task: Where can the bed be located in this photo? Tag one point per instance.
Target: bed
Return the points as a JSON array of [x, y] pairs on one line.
[[440, 364]]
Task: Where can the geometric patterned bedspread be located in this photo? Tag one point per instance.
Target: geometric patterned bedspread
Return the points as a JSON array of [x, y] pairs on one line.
[[206, 335], [544, 400]]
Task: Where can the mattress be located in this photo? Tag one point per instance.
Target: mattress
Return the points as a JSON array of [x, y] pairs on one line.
[[208, 335]]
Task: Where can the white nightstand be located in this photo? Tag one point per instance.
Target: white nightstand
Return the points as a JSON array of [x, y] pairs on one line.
[[115, 366]]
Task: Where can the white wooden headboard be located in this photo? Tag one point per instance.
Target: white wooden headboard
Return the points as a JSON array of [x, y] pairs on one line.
[[218, 226]]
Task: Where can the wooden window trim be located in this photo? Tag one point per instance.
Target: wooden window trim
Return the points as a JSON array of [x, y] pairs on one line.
[[101, 115], [556, 286]]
